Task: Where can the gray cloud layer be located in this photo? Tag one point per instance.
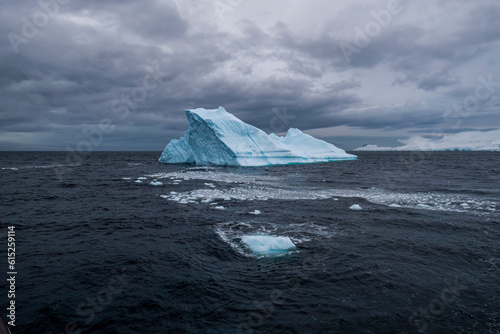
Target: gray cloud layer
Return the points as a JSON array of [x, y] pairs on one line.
[[68, 65]]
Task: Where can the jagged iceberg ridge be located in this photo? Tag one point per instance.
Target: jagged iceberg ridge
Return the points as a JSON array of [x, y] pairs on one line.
[[216, 137]]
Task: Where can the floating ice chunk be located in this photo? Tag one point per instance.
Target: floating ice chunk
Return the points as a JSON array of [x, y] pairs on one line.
[[268, 244], [356, 207], [423, 206], [220, 208], [394, 205], [210, 185], [126, 178], [138, 181], [142, 178], [256, 212], [155, 183]]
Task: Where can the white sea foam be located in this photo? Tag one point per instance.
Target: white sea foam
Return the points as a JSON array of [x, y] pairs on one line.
[[261, 187], [425, 201], [214, 175], [39, 167]]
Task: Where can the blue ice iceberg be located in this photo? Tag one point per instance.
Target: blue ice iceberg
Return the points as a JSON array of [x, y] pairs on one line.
[[268, 244], [216, 137]]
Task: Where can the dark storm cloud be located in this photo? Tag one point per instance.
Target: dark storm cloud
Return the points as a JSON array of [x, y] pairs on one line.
[[430, 81], [89, 59]]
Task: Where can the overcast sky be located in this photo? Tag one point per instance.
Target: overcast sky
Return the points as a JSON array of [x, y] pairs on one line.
[[348, 71]]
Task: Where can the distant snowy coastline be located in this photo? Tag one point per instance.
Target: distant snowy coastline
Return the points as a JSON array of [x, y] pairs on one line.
[[463, 141]]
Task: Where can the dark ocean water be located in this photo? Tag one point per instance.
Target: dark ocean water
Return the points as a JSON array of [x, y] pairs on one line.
[[99, 252]]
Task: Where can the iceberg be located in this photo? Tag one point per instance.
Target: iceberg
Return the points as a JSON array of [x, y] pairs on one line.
[[268, 244], [462, 141], [216, 137], [356, 207]]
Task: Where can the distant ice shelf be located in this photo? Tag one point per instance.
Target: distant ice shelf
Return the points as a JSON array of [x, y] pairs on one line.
[[462, 141], [216, 137]]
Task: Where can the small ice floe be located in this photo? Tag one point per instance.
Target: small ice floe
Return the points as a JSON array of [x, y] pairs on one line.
[[210, 185], [335, 199], [465, 205], [142, 178], [268, 244], [220, 207], [394, 205], [138, 181], [215, 203], [255, 212], [423, 206], [155, 183], [126, 178], [356, 207]]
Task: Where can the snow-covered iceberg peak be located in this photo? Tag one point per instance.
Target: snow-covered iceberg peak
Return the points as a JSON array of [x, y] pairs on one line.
[[216, 137]]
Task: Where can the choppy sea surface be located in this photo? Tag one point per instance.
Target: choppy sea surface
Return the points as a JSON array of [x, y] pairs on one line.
[[123, 244]]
